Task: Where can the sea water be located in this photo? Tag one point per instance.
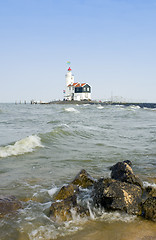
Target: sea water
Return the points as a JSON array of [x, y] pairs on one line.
[[43, 147]]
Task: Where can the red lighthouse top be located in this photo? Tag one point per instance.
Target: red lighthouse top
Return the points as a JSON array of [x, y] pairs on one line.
[[69, 69]]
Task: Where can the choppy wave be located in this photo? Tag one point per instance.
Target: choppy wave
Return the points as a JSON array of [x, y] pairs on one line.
[[71, 109], [53, 122], [149, 109], [22, 146], [87, 104], [58, 132], [134, 107], [100, 107]]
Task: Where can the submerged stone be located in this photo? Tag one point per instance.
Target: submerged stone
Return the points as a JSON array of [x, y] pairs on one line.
[[9, 204], [149, 209]]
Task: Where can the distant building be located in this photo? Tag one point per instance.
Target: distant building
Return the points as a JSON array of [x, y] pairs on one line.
[[76, 91]]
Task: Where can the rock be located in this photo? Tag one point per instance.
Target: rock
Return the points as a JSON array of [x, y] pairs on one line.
[[151, 191], [66, 191], [122, 192], [83, 179], [8, 205], [66, 204], [149, 209], [123, 172], [64, 210], [116, 195]]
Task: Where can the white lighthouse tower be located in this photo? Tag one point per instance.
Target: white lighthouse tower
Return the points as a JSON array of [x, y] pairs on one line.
[[69, 83], [69, 77]]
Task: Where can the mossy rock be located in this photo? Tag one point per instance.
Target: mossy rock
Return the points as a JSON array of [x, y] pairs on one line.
[[123, 172], [66, 191], [149, 209], [115, 195], [63, 210], [151, 191], [83, 179]]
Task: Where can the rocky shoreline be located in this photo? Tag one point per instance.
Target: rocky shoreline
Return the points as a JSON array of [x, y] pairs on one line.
[[123, 191]]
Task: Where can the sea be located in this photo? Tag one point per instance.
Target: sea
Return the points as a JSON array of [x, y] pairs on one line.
[[44, 146]]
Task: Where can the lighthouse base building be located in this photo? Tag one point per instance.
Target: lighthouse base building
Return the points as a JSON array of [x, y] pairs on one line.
[[76, 91]]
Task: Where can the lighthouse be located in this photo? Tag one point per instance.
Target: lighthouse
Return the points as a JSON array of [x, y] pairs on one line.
[[69, 93], [69, 77], [75, 90]]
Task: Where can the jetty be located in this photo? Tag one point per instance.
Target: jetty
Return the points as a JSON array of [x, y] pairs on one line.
[[105, 103]]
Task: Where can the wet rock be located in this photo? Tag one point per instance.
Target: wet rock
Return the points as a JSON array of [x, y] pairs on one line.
[[116, 195], [149, 209], [151, 191], [66, 199], [66, 191], [123, 172], [83, 179], [8, 205], [65, 210]]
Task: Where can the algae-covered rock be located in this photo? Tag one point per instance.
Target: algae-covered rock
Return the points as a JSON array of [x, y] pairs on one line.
[[66, 191], [123, 172], [9, 204], [149, 209], [121, 192], [65, 200], [83, 179], [64, 210], [116, 195], [151, 191]]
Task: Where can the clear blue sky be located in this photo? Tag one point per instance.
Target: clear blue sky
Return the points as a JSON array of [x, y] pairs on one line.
[[111, 45]]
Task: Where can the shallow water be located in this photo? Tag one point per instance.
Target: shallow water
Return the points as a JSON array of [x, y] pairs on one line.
[[43, 147]]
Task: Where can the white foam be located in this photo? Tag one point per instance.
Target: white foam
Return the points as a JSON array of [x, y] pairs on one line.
[[22, 146], [71, 109], [149, 109], [86, 104], [90, 211], [100, 107], [52, 191], [116, 216], [134, 107], [147, 184], [52, 231]]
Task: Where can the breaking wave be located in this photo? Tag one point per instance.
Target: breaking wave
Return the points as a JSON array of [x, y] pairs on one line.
[[22, 146], [71, 109], [133, 107], [67, 228], [100, 107], [52, 191]]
